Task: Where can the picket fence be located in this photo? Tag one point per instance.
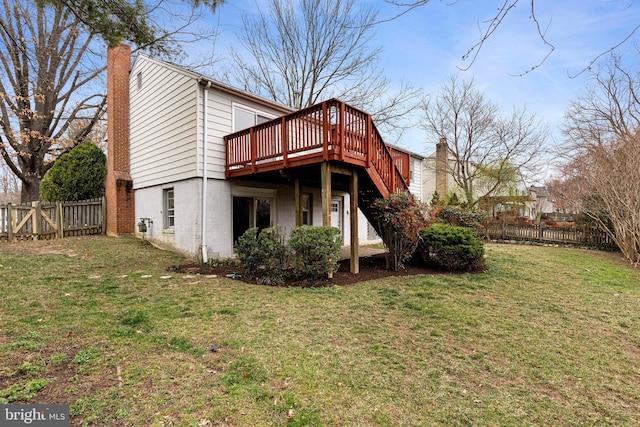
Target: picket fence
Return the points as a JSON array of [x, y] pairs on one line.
[[44, 220], [578, 235]]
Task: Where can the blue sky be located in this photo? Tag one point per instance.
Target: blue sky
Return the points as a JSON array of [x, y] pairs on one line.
[[424, 48]]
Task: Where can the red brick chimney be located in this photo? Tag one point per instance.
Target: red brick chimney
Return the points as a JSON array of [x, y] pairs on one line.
[[442, 167], [119, 185]]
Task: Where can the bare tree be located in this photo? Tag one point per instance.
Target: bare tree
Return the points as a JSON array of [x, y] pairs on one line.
[[487, 28], [602, 127], [51, 67], [300, 53], [43, 89], [9, 187], [565, 192], [488, 152]]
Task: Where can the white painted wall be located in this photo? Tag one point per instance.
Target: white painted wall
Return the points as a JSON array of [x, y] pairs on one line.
[[149, 204]]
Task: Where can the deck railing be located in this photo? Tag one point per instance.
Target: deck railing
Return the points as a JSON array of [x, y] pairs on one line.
[[329, 131]]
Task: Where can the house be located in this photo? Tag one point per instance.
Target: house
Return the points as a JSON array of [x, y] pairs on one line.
[[515, 200], [540, 203], [436, 173], [208, 161]]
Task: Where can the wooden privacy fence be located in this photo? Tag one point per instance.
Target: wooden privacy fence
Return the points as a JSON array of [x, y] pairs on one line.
[[581, 235], [43, 220]]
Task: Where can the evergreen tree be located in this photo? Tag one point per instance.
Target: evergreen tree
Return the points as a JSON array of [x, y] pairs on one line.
[[77, 175]]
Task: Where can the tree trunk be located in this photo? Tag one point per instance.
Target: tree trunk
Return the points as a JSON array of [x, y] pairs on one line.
[[30, 190]]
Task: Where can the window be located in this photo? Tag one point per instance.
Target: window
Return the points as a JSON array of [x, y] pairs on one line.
[[244, 117], [169, 208], [139, 80], [307, 209]]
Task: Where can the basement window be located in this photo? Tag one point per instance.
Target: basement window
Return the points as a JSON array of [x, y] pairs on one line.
[[169, 208], [307, 209]]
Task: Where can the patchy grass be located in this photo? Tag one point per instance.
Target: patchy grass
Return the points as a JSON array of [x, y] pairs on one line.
[[548, 336]]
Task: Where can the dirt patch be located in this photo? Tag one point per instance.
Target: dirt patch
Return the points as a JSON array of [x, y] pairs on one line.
[[371, 268]]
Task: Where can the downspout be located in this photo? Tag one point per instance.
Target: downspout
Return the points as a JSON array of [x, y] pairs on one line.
[[203, 230]]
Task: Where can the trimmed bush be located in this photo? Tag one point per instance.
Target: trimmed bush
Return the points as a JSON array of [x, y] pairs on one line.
[[455, 215], [316, 251], [451, 247], [263, 255], [76, 175]]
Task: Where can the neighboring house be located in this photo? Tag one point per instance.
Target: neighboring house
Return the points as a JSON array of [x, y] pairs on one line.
[[436, 173], [520, 201], [540, 202], [208, 161]]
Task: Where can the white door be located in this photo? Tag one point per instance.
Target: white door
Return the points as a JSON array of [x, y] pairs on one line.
[[336, 215]]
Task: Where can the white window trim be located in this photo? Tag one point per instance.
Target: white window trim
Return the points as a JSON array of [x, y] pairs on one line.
[[165, 214]]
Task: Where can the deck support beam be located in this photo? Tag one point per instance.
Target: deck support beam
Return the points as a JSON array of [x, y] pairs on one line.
[[353, 216], [325, 183]]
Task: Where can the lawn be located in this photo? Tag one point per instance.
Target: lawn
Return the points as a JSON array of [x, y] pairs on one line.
[[548, 336]]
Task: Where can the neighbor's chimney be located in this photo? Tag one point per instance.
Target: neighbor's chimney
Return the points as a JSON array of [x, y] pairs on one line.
[[442, 167], [119, 185]]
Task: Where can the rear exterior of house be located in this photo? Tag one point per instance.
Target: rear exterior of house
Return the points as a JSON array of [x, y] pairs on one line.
[[180, 166]]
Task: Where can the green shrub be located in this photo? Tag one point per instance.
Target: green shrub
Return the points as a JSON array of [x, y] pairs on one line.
[[455, 215], [451, 247], [76, 175], [316, 251], [263, 255]]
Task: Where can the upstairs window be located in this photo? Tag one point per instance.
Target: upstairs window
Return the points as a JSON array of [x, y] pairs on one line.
[[245, 117]]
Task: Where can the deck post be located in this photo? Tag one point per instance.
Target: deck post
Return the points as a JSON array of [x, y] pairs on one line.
[[285, 141], [343, 132], [325, 179], [254, 149], [353, 216], [369, 140], [298, 197], [325, 131]]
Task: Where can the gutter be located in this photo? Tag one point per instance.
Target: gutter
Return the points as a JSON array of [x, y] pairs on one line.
[[203, 230]]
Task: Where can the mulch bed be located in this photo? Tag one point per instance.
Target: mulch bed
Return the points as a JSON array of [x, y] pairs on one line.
[[371, 268]]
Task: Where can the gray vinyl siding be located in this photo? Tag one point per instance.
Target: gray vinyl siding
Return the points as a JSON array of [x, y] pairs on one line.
[[220, 123], [415, 187], [163, 124]]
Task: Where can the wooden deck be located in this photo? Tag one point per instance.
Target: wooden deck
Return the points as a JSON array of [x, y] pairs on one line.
[[326, 132]]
